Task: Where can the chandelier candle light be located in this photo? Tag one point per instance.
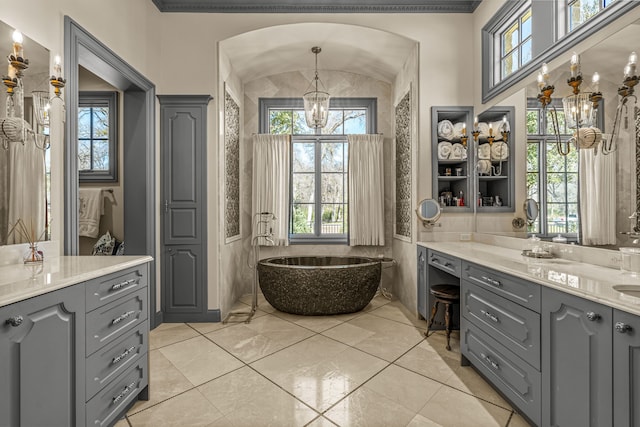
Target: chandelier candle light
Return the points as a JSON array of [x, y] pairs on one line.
[[316, 101]]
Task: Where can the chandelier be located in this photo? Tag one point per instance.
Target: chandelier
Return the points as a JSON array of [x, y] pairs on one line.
[[13, 126], [581, 106], [316, 101]]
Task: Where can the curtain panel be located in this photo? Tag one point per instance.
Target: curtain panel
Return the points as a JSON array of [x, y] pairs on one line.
[[270, 188], [597, 198], [366, 190]]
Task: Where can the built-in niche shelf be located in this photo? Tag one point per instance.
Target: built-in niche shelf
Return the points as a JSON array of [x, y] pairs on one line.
[[452, 177]]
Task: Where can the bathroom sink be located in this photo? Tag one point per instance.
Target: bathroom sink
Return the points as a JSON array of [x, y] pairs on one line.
[[632, 290]]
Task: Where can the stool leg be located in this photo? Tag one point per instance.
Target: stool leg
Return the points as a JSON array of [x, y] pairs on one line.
[[434, 310], [447, 323]]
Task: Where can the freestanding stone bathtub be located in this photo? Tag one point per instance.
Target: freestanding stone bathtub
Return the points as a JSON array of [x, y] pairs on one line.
[[319, 285]]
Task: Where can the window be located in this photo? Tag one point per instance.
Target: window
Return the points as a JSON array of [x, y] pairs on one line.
[[515, 44], [552, 179], [97, 137], [319, 164], [580, 11]]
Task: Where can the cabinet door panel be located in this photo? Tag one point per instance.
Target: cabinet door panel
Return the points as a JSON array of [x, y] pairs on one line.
[[576, 361], [626, 369], [39, 378], [422, 281]]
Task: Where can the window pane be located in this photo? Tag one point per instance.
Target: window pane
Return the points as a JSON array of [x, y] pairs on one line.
[[572, 218], [555, 161], [510, 63], [556, 218], [562, 126], [334, 123], [333, 156], [101, 122], [526, 24], [300, 124], [532, 185], [355, 122], [100, 156], [532, 157], [556, 188], [304, 155], [303, 187], [333, 188], [510, 39], [581, 11], [572, 187], [526, 51], [303, 219], [84, 155], [533, 116], [84, 122], [572, 160], [280, 122], [333, 218]]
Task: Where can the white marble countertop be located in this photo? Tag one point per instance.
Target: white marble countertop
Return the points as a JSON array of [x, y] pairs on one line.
[[19, 281], [585, 280]]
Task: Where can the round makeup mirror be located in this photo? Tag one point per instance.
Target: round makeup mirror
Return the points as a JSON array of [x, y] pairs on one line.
[[531, 210], [428, 212]]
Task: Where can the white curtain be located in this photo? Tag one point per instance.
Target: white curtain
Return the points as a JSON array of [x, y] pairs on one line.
[[270, 189], [597, 198], [27, 197], [366, 190]]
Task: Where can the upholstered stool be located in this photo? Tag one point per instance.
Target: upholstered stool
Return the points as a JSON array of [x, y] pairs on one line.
[[448, 295]]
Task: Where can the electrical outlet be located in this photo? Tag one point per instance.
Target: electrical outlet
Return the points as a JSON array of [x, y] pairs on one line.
[[465, 237]]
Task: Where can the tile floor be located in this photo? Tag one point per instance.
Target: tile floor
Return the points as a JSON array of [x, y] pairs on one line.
[[371, 368]]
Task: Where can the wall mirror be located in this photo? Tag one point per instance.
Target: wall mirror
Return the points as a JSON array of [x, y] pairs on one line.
[[25, 170], [531, 211], [563, 184], [428, 212]]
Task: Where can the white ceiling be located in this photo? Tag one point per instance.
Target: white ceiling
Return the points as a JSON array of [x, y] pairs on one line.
[[285, 48]]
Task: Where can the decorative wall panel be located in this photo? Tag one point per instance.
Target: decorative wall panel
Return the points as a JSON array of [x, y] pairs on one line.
[[231, 167], [637, 113], [403, 167]]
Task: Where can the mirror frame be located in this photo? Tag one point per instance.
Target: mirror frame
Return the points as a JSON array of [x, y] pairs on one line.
[[432, 220]]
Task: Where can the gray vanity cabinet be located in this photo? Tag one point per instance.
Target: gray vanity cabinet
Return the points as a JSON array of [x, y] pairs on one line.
[[42, 355], [422, 282], [626, 369], [576, 361]]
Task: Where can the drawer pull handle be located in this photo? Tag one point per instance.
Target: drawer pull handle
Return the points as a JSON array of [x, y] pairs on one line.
[[436, 261], [124, 354], [121, 285], [448, 265], [490, 361], [122, 317], [623, 327], [493, 317], [593, 316], [421, 258], [14, 321], [126, 391], [491, 281]]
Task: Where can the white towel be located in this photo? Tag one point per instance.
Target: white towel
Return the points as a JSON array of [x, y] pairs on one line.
[[484, 151], [484, 167], [458, 152], [444, 150], [457, 130], [90, 208], [499, 151], [484, 130], [445, 129]]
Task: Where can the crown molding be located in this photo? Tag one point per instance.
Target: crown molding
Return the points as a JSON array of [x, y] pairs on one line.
[[315, 6]]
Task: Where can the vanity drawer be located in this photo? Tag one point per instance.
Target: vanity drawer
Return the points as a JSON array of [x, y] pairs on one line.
[[109, 288], [512, 325], [107, 323], [109, 403], [512, 288], [447, 263], [516, 379], [106, 364]]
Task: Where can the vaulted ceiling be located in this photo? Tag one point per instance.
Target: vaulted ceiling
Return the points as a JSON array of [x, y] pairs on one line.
[[318, 6]]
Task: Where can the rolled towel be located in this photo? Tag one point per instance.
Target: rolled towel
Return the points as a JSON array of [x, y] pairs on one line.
[[484, 151], [499, 151], [484, 130], [484, 167], [458, 152], [444, 150], [445, 129], [457, 130]]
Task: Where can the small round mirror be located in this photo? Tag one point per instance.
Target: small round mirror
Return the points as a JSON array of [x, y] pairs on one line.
[[531, 210], [428, 211]]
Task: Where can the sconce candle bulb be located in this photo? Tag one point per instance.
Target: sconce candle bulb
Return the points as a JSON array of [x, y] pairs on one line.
[[575, 65], [57, 69], [595, 80], [18, 52]]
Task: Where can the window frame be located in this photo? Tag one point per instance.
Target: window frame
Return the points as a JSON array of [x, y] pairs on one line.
[[550, 38], [110, 100], [267, 104], [499, 40]]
